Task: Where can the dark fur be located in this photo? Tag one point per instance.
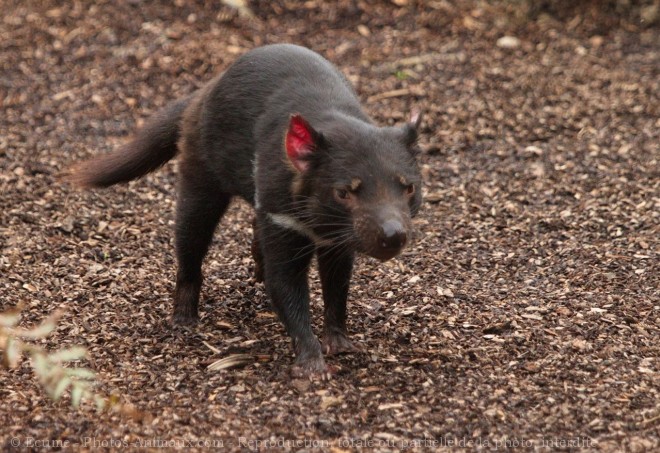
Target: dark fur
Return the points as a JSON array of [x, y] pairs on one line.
[[243, 116], [153, 146]]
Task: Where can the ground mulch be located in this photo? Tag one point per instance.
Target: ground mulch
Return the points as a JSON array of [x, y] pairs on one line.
[[525, 315]]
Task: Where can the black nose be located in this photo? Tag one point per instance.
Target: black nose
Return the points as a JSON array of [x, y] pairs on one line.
[[393, 236]]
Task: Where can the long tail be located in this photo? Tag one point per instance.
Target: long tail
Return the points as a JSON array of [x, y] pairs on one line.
[[153, 145]]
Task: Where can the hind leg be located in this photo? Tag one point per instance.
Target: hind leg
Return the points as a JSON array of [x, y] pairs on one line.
[[198, 213]]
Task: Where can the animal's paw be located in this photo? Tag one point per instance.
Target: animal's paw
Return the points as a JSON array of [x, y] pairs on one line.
[[180, 318], [313, 368], [335, 343], [309, 361]]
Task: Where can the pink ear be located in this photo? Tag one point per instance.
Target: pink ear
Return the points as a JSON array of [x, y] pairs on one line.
[[300, 142]]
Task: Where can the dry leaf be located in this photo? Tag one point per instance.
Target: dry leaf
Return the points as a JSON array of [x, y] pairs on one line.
[[232, 361]]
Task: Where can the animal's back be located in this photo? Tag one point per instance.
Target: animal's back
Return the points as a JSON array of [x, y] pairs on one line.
[[255, 97]]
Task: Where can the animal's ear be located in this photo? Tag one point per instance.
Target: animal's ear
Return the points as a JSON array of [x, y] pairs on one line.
[[410, 130], [301, 141]]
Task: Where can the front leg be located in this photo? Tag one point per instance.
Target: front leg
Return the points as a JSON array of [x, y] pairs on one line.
[[286, 257], [335, 268], [256, 253]]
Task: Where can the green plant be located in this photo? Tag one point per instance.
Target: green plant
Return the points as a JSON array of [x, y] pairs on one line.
[[401, 75], [49, 367]]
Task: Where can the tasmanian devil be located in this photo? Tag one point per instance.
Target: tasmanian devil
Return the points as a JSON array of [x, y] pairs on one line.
[[284, 130]]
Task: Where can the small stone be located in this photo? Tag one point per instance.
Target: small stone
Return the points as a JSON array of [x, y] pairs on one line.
[[329, 401], [30, 287], [67, 225], [445, 292], [531, 149], [649, 14], [596, 41], [508, 42], [96, 268], [302, 385]]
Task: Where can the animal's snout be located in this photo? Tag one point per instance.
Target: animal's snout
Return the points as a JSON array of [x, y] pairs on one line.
[[388, 233], [393, 236], [383, 231]]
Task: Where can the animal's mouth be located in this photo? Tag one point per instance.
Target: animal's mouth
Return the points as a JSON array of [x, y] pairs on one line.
[[384, 254], [386, 241]]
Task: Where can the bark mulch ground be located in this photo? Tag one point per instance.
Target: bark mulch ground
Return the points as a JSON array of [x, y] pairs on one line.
[[526, 313]]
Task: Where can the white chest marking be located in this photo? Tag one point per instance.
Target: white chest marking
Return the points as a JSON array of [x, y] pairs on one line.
[[255, 170], [291, 223]]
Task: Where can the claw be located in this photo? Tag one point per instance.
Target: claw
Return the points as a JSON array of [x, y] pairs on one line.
[[335, 343], [314, 369]]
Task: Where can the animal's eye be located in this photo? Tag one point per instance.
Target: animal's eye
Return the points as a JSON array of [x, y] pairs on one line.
[[342, 194], [410, 189]]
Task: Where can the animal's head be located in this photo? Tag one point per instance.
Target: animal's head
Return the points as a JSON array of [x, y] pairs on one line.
[[361, 184]]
